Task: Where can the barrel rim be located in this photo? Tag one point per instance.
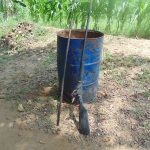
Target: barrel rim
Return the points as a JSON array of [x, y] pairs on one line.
[[101, 35]]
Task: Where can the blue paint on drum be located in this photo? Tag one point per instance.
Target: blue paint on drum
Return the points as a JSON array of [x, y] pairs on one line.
[[92, 59]]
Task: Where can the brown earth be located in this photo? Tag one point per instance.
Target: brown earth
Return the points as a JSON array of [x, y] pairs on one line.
[[119, 118]]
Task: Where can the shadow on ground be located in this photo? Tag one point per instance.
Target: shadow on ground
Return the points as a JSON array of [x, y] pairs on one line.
[[119, 116]]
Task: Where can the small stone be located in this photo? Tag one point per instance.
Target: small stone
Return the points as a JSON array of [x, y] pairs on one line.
[[11, 125], [42, 142], [20, 108], [46, 91], [19, 134], [29, 102], [39, 59], [19, 32], [106, 139], [38, 105], [2, 124], [22, 125]]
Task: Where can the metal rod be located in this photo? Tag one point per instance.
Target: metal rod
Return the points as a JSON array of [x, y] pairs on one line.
[[64, 74], [85, 40], [83, 115]]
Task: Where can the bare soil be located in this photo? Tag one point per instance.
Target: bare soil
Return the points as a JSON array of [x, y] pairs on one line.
[[119, 118]]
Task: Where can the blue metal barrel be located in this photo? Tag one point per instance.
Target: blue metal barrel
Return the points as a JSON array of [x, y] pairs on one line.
[[91, 60]]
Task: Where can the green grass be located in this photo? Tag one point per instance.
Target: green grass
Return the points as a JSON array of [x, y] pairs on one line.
[[40, 31], [50, 59], [138, 112], [6, 26], [4, 59], [128, 17], [112, 61], [146, 94], [144, 76], [119, 76], [118, 66]]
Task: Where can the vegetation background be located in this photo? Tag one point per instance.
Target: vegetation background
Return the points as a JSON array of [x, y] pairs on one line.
[[126, 17]]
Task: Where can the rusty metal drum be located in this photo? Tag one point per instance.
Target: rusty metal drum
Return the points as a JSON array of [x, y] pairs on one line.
[[91, 60]]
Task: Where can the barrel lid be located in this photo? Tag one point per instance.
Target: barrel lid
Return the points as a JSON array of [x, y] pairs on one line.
[[80, 34]]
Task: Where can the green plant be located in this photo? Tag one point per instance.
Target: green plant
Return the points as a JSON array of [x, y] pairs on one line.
[[130, 17], [112, 61], [144, 76]]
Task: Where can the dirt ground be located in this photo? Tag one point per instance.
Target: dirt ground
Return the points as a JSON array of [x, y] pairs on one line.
[[119, 118]]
